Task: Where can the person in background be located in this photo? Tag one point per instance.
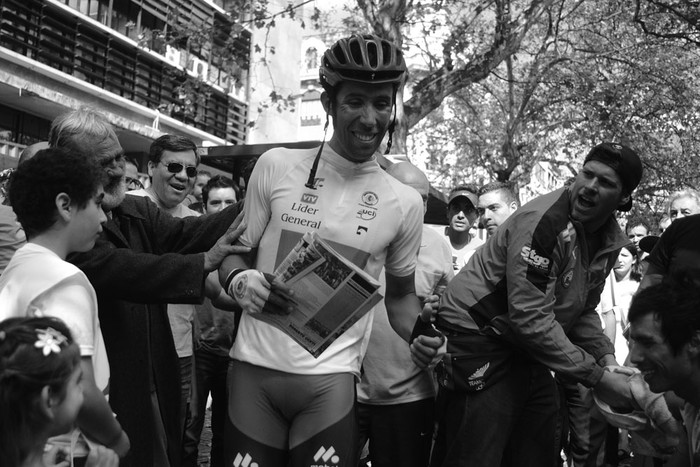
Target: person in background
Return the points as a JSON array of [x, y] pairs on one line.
[[194, 199], [395, 397], [172, 166], [497, 201], [131, 174], [683, 203], [214, 331], [636, 230], [12, 236], [523, 308], [57, 196], [461, 215], [41, 393], [665, 338], [143, 259]]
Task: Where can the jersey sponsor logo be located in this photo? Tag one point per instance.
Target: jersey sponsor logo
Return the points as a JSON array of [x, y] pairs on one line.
[[361, 229], [300, 221], [476, 379], [533, 259], [566, 278], [244, 461], [308, 198], [370, 198], [306, 209], [366, 214], [323, 456]]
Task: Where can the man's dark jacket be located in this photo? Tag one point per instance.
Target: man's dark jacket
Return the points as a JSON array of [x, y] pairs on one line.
[[143, 260]]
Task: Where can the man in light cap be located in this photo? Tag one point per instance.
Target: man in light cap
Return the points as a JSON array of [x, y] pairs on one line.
[[524, 307], [461, 215]]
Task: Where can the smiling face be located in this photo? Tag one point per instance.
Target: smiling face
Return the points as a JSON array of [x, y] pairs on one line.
[[494, 209], [651, 353], [595, 195], [86, 223], [172, 188], [361, 115]]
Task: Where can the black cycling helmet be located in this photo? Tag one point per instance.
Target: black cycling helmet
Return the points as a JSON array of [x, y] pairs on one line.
[[366, 59], [363, 59]]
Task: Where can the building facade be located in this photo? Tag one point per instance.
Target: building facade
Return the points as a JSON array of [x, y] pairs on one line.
[[151, 66]]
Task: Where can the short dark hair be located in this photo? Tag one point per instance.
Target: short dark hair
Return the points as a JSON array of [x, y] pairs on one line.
[[635, 221], [36, 183], [675, 302], [218, 181], [173, 143], [505, 188]]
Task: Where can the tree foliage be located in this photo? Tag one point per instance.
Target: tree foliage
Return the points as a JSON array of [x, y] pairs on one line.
[[506, 85]]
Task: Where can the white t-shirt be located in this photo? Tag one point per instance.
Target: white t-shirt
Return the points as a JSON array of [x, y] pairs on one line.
[[390, 376], [367, 216], [39, 283], [180, 315]]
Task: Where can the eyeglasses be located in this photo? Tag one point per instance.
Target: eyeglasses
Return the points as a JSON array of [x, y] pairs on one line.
[[176, 168], [133, 183]]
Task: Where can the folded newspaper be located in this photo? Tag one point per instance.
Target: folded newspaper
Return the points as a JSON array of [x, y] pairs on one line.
[[330, 294]]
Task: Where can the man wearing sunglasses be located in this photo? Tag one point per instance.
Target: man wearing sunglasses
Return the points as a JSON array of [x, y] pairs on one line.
[[172, 166]]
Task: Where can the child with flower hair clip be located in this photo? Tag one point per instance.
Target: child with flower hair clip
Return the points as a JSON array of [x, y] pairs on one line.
[[57, 197], [40, 392]]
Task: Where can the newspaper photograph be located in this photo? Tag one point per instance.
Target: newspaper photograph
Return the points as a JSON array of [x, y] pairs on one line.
[[330, 294]]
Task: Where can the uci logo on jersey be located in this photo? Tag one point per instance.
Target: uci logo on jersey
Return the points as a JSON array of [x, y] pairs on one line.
[[533, 259], [366, 214]]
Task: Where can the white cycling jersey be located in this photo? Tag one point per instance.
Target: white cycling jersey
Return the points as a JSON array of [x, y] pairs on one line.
[[368, 216]]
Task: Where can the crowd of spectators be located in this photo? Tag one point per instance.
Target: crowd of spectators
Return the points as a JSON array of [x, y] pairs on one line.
[[133, 298]]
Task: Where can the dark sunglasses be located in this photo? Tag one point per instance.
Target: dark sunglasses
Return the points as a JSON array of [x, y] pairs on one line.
[[133, 183], [176, 168]]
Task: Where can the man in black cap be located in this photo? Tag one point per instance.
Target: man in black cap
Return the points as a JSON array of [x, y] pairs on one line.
[[524, 307], [461, 215]]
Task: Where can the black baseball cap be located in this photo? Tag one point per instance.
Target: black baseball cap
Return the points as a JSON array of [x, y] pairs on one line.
[[622, 160]]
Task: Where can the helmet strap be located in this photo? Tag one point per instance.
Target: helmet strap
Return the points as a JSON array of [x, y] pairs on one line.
[[314, 167], [392, 125]]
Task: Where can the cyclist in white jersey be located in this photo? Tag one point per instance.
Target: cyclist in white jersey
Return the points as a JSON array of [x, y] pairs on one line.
[[285, 406]]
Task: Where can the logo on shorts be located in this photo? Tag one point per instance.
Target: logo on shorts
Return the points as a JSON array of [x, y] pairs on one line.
[[244, 461], [323, 456], [533, 259], [361, 229], [370, 198]]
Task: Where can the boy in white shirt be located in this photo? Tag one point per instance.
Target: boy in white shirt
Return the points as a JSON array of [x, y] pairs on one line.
[[57, 197]]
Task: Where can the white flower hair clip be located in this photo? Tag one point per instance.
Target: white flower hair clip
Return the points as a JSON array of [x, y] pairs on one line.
[[49, 340]]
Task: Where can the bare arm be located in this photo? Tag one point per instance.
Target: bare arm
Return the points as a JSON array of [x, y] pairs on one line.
[[95, 418], [403, 309]]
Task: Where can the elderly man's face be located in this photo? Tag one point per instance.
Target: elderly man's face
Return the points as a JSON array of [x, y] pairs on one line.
[[683, 207], [110, 155]]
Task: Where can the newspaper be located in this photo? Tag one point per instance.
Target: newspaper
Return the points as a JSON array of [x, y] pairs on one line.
[[330, 294]]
